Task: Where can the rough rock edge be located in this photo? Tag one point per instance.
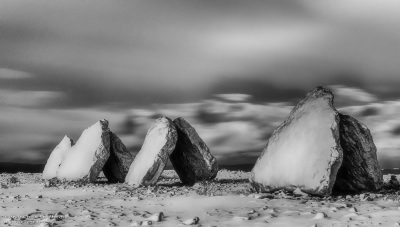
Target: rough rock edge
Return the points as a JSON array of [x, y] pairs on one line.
[[161, 160], [102, 153], [318, 92], [188, 173], [162, 156]]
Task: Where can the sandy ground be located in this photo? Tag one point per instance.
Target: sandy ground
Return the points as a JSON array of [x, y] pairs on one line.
[[227, 201]]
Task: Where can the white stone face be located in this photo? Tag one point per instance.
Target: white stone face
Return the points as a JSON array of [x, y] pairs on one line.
[[152, 157], [56, 157], [83, 155], [303, 152]]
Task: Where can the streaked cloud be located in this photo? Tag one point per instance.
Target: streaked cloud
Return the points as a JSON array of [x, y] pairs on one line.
[[12, 74], [230, 67], [34, 99]]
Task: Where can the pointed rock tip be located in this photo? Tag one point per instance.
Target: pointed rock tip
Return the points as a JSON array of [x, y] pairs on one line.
[[179, 119], [164, 119], [67, 138], [320, 91], [104, 124]]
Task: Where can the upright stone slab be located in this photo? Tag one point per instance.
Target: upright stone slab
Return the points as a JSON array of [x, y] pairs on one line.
[[149, 163], [304, 152], [117, 165], [56, 157], [191, 158], [86, 158], [360, 170]]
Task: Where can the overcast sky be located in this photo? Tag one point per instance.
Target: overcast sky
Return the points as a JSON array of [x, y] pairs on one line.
[[65, 64]]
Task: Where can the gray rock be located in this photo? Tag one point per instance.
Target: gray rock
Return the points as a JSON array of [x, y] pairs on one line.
[[360, 170], [149, 163], [191, 158], [85, 160], [304, 151], [117, 165]]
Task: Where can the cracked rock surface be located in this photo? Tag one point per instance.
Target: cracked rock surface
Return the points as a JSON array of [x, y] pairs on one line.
[[304, 151], [192, 159], [360, 170]]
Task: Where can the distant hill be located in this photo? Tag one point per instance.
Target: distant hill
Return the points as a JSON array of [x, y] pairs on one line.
[[10, 167]]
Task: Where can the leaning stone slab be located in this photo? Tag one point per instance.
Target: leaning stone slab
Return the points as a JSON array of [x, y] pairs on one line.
[[86, 158], [360, 170], [56, 157], [149, 163], [304, 152], [117, 165], [191, 158]]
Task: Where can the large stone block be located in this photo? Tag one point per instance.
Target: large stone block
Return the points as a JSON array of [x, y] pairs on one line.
[[149, 163], [304, 152], [86, 158], [117, 165], [360, 170], [56, 157], [191, 158]]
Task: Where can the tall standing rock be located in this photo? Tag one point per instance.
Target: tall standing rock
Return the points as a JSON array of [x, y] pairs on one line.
[[56, 157], [360, 170], [304, 152], [149, 163], [86, 158], [191, 158], [117, 165]]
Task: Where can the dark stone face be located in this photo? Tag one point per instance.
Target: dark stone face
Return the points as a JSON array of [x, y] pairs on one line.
[[360, 170], [191, 158], [117, 165], [102, 153]]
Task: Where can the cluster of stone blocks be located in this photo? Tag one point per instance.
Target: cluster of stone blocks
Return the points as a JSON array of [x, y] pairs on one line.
[[98, 149], [317, 150]]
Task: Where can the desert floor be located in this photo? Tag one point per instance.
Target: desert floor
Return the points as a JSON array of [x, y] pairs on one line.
[[227, 201]]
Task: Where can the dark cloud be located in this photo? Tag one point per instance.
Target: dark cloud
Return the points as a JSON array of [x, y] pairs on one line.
[[261, 90], [396, 130], [369, 111]]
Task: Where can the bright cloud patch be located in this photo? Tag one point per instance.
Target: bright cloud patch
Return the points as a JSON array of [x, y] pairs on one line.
[[6, 73]]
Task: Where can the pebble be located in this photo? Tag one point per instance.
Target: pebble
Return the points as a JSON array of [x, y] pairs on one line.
[[146, 223], [192, 221], [157, 217], [299, 192], [135, 223], [239, 218], [44, 224], [353, 210], [320, 215]]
